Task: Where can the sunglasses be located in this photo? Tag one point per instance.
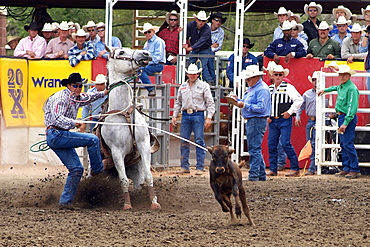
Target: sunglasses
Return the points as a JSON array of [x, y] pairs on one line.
[[173, 19], [147, 32], [295, 29], [101, 30], [57, 31], [312, 10], [246, 46], [218, 20], [341, 25], [278, 74], [90, 30], [77, 86], [202, 20]]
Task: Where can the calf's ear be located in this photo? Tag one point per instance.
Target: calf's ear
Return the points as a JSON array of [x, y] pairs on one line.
[[209, 149], [231, 151]]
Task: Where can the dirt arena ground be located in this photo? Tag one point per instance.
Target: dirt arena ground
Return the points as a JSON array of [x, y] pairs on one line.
[[307, 211]]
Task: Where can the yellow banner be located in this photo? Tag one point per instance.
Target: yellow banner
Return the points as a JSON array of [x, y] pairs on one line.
[[44, 80], [354, 65], [13, 79]]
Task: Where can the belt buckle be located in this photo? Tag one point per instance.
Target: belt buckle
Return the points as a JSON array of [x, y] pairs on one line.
[[189, 111]]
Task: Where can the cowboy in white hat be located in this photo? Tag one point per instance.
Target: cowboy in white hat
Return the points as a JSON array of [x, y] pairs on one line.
[[324, 46], [156, 46], [199, 41], [55, 27], [282, 15], [194, 99], [285, 101], [99, 49], [47, 32], [346, 109], [337, 12], [90, 28], [59, 46], [256, 108], [297, 33], [342, 24], [83, 50], [93, 110], [33, 46], [170, 35], [312, 10], [351, 45], [366, 14]]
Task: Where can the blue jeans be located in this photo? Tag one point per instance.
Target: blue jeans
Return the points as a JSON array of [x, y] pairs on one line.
[[255, 129], [311, 135], [281, 155], [281, 128], [349, 154], [149, 70], [63, 143], [211, 67], [368, 84], [206, 76], [192, 123]]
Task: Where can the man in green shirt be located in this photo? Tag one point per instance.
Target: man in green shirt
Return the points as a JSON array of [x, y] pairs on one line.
[[346, 108]]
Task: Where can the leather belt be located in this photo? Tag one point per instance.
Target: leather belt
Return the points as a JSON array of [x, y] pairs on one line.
[[55, 127], [248, 118], [312, 118], [191, 111], [340, 113]]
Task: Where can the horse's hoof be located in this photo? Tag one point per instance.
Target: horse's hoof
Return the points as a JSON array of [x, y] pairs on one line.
[[127, 207], [155, 206]]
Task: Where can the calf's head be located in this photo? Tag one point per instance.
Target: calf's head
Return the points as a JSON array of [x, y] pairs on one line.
[[220, 156]]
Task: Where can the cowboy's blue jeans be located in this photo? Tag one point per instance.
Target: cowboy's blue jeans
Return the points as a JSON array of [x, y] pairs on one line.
[[255, 129], [192, 123], [311, 135], [211, 67], [349, 154], [63, 143], [205, 74], [281, 128], [149, 70], [281, 155]]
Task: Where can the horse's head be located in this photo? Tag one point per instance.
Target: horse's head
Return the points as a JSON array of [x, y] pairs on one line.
[[137, 58]]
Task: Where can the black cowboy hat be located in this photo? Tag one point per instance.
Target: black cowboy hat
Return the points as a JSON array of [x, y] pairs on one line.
[[248, 42], [217, 15], [33, 26], [73, 78]]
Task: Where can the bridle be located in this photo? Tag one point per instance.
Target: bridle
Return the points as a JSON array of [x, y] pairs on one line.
[[131, 58]]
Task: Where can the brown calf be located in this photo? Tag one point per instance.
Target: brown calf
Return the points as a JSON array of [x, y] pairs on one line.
[[226, 179]]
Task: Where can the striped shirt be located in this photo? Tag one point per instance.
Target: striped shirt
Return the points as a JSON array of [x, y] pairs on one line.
[[74, 56], [217, 36], [60, 109], [171, 39], [284, 93]]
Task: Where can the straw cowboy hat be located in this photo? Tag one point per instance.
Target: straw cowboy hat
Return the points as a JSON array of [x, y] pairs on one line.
[[270, 67], [342, 21], [201, 15], [80, 33], [100, 79], [33, 26], [12, 38], [47, 28], [314, 76], [73, 78], [324, 25], [344, 68], [279, 68], [100, 24], [312, 5], [346, 10], [74, 25], [147, 26], [248, 42], [282, 11], [286, 26], [251, 71], [296, 17], [295, 24], [217, 15], [193, 69], [355, 28], [173, 12], [63, 26], [364, 10], [89, 24]]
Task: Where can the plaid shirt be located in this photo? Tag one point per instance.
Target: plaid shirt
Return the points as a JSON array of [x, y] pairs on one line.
[[74, 56], [171, 38], [61, 110]]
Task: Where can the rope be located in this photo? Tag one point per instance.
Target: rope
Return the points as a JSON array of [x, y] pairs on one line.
[[42, 146]]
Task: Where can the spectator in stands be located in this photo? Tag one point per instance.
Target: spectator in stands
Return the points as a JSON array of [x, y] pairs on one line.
[[310, 26], [296, 33], [59, 47], [282, 15], [285, 100], [199, 42], [247, 59], [12, 42], [351, 45], [296, 19], [340, 11], [309, 104], [217, 36], [366, 15], [99, 50], [170, 35], [82, 50], [342, 25], [55, 27], [33, 46], [73, 28], [47, 32], [324, 46], [346, 108], [286, 46], [194, 98], [90, 28], [157, 48]]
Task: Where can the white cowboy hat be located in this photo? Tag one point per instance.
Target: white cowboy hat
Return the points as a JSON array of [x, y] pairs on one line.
[[100, 78], [279, 68], [201, 15], [282, 11], [80, 33], [312, 5], [147, 26], [270, 67], [295, 24], [296, 17], [364, 10], [324, 26], [344, 68], [346, 10], [55, 26], [89, 24], [342, 21], [355, 28], [314, 76], [286, 26], [251, 71], [63, 26], [74, 25], [173, 12], [47, 28], [100, 24], [193, 69]]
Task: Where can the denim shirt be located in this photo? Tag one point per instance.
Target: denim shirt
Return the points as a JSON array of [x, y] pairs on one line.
[[257, 101], [157, 48]]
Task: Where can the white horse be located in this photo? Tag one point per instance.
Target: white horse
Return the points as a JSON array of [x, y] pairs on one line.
[[123, 140]]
